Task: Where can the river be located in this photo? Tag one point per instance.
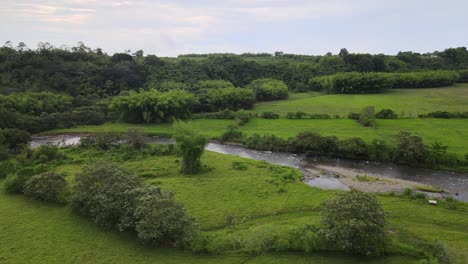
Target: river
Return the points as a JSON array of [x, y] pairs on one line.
[[456, 184]]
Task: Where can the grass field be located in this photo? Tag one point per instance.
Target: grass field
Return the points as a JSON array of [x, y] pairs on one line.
[[451, 132], [34, 232], [405, 102]]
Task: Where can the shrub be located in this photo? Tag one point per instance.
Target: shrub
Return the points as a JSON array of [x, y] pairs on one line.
[[135, 137], [48, 187], [238, 165], [410, 149], [444, 114], [161, 220], [296, 115], [367, 116], [242, 117], [266, 142], [354, 222], [386, 114], [463, 76], [353, 148], [46, 153], [15, 183], [232, 134], [353, 116], [313, 144], [270, 115], [102, 141], [105, 192], [7, 167]]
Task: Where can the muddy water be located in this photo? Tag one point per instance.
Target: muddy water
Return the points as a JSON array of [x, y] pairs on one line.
[[454, 183]]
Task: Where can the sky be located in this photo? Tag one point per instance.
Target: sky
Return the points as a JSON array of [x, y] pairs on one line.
[[170, 28]]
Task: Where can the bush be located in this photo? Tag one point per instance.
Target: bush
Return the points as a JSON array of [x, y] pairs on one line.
[[232, 134], [7, 167], [102, 141], [242, 117], [135, 137], [160, 220], [48, 187], [296, 115], [354, 222], [313, 144], [238, 165], [266, 142], [354, 116], [15, 183], [386, 114], [46, 153], [105, 192], [444, 114], [353, 148], [270, 115], [463, 76], [367, 116]]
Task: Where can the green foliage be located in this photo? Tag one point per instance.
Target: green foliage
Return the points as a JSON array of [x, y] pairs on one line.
[[102, 141], [444, 114], [190, 144], [154, 106], [135, 137], [105, 193], [46, 153], [7, 167], [218, 95], [386, 114], [354, 222], [48, 187], [410, 149], [267, 89], [160, 220], [237, 165], [243, 117], [15, 183], [15, 140], [367, 116], [232, 134], [270, 115], [372, 82]]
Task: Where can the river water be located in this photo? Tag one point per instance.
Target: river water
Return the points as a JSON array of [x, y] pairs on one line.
[[454, 183]]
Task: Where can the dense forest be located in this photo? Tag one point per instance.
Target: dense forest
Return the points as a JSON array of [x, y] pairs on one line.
[[49, 87]]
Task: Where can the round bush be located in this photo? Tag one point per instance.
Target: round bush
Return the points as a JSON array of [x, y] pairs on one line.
[[48, 187]]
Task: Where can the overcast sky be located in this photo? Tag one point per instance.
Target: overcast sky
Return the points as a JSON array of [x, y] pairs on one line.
[[169, 28]]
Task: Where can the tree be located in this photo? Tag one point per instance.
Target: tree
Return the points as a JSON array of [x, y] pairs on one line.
[[105, 192], [160, 219], [267, 89], [354, 222], [15, 139], [191, 145], [410, 149]]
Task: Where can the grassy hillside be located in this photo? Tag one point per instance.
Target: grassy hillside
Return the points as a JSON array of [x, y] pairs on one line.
[[405, 102], [34, 232], [451, 132]]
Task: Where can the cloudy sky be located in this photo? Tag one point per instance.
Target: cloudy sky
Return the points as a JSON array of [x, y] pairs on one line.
[[169, 28]]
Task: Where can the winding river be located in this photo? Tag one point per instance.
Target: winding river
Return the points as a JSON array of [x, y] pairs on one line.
[[456, 184]]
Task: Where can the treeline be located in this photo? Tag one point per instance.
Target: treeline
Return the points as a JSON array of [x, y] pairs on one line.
[[372, 82], [407, 149], [83, 72]]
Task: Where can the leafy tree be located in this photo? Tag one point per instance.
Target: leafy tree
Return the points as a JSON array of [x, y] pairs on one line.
[[410, 149], [354, 222], [160, 220], [105, 192], [267, 89], [48, 187], [15, 140], [191, 145]]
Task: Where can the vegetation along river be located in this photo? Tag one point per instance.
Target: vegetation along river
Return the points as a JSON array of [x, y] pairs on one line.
[[327, 173]]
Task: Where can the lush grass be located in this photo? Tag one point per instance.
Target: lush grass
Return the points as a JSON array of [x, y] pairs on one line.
[[405, 102], [451, 132], [34, 232]]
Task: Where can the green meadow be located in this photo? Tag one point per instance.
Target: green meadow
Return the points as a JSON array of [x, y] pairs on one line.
[[35, 232], [404, 102]]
